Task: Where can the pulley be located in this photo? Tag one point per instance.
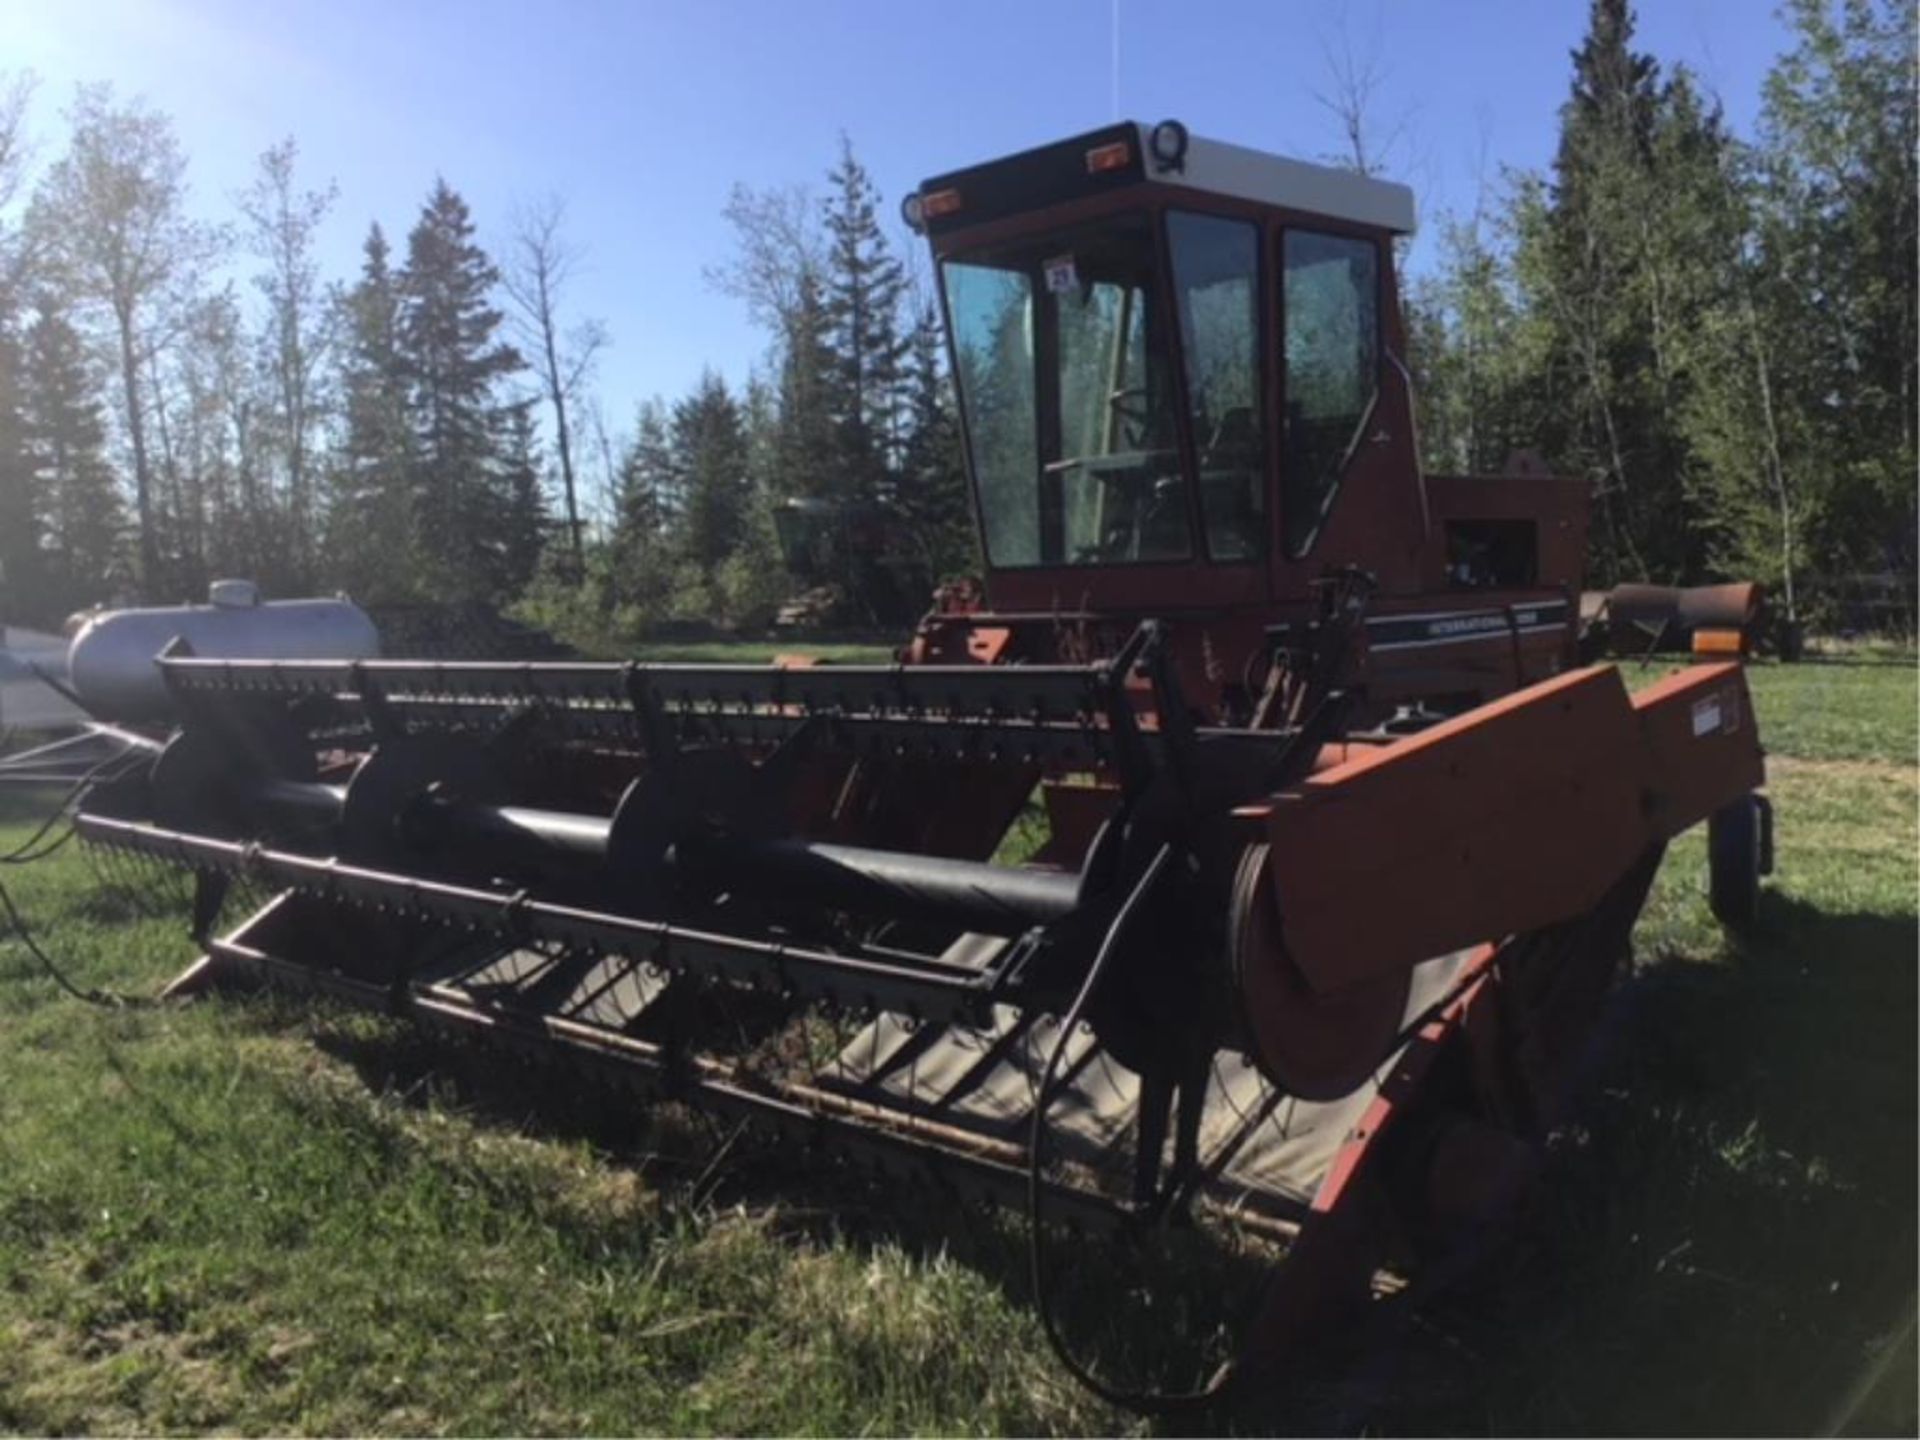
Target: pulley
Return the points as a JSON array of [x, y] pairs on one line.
[[1318, 1045]]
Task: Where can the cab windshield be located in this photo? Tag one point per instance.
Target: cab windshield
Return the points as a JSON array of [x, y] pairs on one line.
[[1065, 370]]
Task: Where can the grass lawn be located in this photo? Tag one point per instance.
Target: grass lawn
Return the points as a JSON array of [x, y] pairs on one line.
[[269, 1215]]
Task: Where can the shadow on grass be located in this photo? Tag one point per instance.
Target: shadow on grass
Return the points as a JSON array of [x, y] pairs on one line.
[[1727, 1241], [1725, 1244]]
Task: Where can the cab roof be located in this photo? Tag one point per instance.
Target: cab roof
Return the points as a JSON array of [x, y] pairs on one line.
[[1131, 153]]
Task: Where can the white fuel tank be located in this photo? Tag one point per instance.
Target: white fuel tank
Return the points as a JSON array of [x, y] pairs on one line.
[[110, 663]]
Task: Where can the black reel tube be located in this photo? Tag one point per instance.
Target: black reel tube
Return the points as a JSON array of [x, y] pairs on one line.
[[428, 803]]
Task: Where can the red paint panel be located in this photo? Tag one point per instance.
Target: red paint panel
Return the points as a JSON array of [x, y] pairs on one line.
[[1702, 742], [1506, 818]]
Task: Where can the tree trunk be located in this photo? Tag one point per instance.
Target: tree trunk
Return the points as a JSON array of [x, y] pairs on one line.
[[137, 438], [557, 394], [1777, 471], [293, 393]]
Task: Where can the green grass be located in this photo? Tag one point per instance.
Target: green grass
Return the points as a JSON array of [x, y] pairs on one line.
[[1854, 704], [267, 1215]]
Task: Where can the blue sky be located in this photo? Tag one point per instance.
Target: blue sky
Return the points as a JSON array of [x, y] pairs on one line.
[[643, 114]]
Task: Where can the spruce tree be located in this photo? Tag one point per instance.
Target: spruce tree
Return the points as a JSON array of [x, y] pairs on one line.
[[754, 579], [710, 454], [1586, 252], [65, 435], [453, 362], [1609, 113], [933, 480], [21, 498], [644, 510], [15, 92], [863, 291], [1607, 255], [649, 481], [369, 526], [806, 445], [520, 532]]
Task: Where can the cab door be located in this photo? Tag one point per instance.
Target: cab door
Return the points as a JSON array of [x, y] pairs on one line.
[[1348, 490], [1215, 275]]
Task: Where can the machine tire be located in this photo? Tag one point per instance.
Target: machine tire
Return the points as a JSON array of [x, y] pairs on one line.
[[1736, 846]]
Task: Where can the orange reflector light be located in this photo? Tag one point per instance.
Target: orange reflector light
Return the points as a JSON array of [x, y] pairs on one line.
[[940, 202], [1719, 642], [1108, 157]]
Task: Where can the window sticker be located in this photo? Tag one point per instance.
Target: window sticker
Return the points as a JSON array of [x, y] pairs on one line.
[[1062, 276]]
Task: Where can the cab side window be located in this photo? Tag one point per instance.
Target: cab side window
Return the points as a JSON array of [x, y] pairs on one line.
[[1331, 300]]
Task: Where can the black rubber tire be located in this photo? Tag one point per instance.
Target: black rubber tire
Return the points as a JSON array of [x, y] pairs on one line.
[[1734, 847]]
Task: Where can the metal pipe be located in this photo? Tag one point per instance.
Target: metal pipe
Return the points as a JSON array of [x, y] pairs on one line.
[[547, 832], [992, 899], [304, 798]]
